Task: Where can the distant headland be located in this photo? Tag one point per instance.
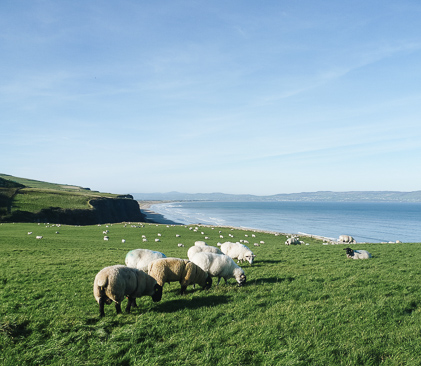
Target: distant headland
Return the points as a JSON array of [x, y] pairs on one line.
[[321, 196]]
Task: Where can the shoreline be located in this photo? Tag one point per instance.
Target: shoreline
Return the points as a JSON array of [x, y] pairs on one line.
[[153, 217]]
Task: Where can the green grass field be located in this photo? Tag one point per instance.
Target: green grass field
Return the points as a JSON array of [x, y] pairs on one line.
[[302, 305]]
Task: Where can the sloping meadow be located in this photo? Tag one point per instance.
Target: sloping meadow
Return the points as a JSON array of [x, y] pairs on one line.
[[301, 305]]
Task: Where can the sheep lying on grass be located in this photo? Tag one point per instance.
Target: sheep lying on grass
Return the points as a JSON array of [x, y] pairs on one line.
[[181, 270], [346, 239], [140, 258], [115, 282], [197, 249], [357, 254], [221, 266], [238, 251]]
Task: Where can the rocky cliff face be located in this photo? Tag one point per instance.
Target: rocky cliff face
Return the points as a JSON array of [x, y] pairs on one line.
[[104, 210]]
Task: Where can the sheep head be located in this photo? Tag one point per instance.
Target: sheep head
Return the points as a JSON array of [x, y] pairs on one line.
[[208, 284], [242, 280], [349, 252], [157, 293]]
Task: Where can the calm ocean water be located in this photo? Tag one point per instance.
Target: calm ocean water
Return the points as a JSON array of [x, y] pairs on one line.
[[366, 222]]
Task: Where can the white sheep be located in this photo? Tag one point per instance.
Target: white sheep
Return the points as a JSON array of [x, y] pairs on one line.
[[180, 245], [293, 241], [38, 237], [346, 239], [357, 254], [221, 266], [200, 243], [106, 238], [181, 270], [196, 249], [115, 282], [238, 251], [140, 258]]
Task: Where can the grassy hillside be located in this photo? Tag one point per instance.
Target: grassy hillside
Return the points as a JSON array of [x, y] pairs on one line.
[[302, 305], [24, 199]]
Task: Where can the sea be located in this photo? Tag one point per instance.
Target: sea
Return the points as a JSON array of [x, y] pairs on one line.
[[371, 222]]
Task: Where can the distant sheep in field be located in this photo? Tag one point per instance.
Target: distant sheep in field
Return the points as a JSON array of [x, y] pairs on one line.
[[238, 251], [293, 241], [346, 239], [123, 240], [206, 248], [38, 237], [357, 254], [116, 282], [179, 270], [140, 258], [106, 238], [181, 245], [221, 266], [200, 243], [157, 240]]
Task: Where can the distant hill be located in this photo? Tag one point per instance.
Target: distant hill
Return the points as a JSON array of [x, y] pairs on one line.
[[322, 196], [27, 200]]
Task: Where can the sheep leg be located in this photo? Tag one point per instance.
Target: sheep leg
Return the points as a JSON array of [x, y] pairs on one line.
[[219, 279], [183, 289], [118, 307], [101, 306], [129, 304]]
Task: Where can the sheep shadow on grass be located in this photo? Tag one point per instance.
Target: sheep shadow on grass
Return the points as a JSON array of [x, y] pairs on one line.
[[173, 306]]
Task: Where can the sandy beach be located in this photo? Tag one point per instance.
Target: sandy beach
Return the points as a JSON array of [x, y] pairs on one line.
[[153, 217]]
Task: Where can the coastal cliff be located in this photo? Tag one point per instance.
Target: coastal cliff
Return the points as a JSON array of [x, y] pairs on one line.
[[24, 200], [104, 210]]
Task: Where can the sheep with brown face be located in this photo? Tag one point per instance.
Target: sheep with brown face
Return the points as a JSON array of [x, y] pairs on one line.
[[179, 270], [114, 283]]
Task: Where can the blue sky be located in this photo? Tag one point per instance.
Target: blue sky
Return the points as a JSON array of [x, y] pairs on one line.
[[212, 96]]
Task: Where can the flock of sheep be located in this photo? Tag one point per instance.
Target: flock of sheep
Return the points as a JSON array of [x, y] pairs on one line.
[[146, 271]]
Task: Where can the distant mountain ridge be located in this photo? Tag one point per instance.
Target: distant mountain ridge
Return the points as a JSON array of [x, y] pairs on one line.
[[321, 196]]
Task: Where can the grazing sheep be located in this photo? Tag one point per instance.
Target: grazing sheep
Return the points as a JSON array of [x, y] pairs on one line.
[[106, 238], [357, 254], [200, 243], [208, 249], [38, 237], [181, 270], [140, 258], [346, 239], [115, 282], [180, 245], [293, 241], [221, 266], [239, 251]]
